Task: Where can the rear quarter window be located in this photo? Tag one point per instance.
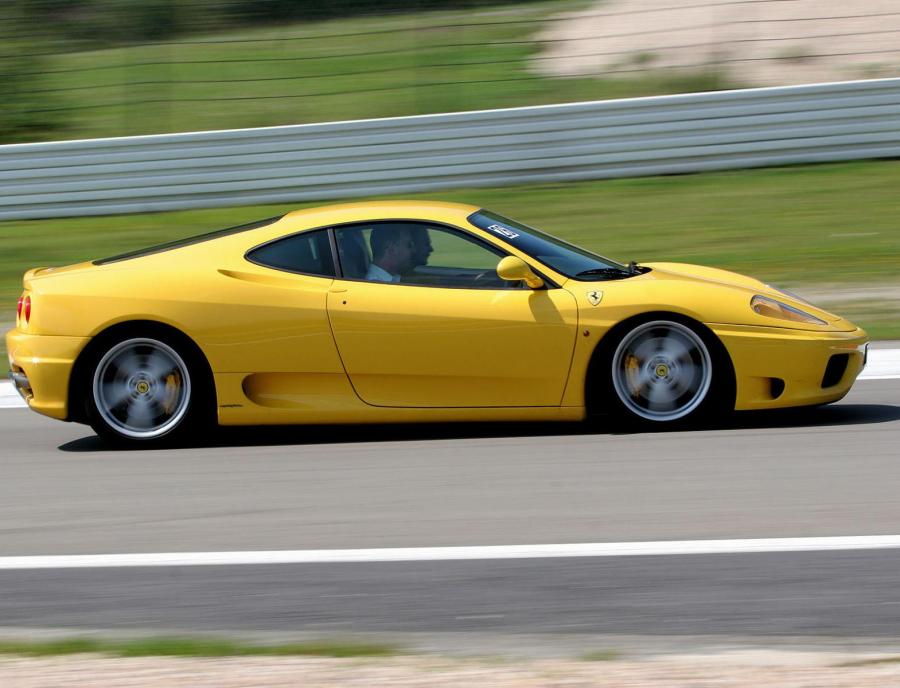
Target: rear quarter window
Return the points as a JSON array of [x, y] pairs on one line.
[[308, 253]]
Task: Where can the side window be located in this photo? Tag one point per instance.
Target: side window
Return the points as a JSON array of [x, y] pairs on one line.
[[416, 253], [308, 253]]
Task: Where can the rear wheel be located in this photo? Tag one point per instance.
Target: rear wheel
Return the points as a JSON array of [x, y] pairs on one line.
[[662, 371], [142, 391]]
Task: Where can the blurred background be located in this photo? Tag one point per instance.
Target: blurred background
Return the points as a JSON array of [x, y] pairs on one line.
[[96, 68]]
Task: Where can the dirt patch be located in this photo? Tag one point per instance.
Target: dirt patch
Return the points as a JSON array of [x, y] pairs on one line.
[[764, 43], [735, 670]]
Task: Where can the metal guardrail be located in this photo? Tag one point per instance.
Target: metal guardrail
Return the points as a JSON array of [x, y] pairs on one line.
[[615, 138]]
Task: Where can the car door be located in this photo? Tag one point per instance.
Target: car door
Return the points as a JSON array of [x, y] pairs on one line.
[[424, 321], [267, 313]]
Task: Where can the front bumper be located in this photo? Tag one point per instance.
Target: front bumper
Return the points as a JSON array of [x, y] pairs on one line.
[[40, 368], [780, 367]]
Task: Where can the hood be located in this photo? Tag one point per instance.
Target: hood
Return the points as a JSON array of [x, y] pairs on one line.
[[702, 273], [726, 278]]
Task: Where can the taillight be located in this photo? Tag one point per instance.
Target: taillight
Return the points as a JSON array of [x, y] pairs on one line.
[[26, 308], [19, 306]]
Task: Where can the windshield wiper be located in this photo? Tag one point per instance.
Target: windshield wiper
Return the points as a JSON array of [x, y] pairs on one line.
[[607, 272]]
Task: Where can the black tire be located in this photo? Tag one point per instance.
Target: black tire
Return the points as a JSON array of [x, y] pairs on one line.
[[144, 389], [663, 372]]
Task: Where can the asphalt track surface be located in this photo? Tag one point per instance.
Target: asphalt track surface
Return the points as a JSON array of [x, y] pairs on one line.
[[825, 472]]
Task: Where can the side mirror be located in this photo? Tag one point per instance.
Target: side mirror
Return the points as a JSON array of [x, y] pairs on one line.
[[514, 269]]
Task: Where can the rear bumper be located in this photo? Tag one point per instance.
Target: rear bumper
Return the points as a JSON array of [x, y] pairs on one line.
[[40, 368], [780, 368]]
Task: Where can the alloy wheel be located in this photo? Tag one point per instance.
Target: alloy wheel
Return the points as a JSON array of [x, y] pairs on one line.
[[661, 371], [141, 388]]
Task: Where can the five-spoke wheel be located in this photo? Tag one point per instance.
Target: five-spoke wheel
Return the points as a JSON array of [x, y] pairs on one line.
[[141, 390], [661, 371]]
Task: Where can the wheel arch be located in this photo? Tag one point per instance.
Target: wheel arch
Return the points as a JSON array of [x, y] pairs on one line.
[[80, 378], [595, 389]]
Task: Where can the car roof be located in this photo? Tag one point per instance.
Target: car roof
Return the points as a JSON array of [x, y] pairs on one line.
[[376, 210]]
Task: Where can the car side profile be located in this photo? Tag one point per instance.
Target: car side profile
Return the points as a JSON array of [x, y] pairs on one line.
[[402, 311]]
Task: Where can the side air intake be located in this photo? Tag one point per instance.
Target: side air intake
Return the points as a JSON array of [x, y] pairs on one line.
[[834, 371]]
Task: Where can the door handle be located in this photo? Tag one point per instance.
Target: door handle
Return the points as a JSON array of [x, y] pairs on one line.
[[337, 290]]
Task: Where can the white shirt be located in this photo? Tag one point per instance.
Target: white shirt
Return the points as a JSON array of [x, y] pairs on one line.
[[376, 273]]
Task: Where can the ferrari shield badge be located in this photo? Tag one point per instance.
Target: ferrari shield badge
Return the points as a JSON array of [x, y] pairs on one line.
[[594, 297]]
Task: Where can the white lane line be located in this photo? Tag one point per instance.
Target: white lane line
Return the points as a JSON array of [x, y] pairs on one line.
[[9, 398], [884, 364], [333, 556]]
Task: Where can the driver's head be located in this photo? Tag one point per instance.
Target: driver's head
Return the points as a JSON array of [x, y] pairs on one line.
[[392, 247], [422, 248]]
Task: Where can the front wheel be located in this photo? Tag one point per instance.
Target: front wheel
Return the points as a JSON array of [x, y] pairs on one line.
[[662, 371], [141, 392]]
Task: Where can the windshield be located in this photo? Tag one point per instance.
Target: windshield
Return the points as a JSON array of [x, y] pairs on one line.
[[565, 258]]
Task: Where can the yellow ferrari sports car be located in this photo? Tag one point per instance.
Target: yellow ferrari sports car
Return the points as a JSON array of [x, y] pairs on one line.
[[409, 311]]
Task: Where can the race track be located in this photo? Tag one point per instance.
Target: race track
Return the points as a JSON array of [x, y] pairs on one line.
[[832, 471]]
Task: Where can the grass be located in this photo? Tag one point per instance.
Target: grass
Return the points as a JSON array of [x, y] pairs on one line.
[[394, 65], [192, 647]]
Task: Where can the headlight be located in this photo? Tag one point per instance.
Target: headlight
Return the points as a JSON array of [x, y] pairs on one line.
[[775, 309]]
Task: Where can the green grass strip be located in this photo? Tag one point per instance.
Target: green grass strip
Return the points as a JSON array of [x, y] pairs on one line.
[[193, 647]]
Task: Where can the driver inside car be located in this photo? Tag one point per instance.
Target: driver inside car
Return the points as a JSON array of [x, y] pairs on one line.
[[422, 248], [392, 253]]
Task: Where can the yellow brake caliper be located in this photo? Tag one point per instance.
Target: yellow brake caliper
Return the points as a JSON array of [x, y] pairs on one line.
[[172, 385], [632, 366]]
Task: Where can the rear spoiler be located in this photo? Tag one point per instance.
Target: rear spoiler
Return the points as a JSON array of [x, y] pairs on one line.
[[26, 278]]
